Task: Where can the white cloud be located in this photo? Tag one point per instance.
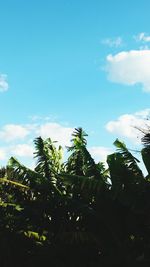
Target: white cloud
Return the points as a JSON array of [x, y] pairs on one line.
[[142, 37], [3, 155], [126, 125], [130, 68], [10, 132], [112, 42], [3, 83], [16, 132], [56, 132], [100, 153], [23, 150], [19, 138], [37, 118]]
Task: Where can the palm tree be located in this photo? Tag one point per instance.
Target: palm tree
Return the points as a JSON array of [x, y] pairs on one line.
[[77, 212]]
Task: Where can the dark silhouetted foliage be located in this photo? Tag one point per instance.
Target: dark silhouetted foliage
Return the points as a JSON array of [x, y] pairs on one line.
[[78, 212]]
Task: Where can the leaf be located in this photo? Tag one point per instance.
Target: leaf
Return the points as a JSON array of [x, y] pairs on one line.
[[35, 235], [83, 183], [7, 181], [145, 152], [129, 160]]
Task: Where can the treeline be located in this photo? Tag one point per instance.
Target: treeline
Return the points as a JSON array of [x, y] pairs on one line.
[[76, 213]]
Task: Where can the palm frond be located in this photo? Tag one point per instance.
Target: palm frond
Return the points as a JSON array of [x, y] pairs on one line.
[[145, 152], [117, 171], [129, 160], [31, 178], [16, 184], [43, 160], [83, 184], [49, 159], [146, 140]]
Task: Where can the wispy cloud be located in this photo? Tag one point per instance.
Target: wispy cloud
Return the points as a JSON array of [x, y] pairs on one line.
[[112, 42], [100, 153], [23, 150], [56, 132], [142, 37], [3, 83], [128, 125], [11, 132], [17, 139], [3, 154], [130, 68]]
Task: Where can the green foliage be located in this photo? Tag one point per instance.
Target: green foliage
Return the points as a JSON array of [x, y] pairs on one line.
[[77, 213], [129, 160]]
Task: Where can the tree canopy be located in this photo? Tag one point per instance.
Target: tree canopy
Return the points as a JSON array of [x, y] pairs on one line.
[[77, 212]]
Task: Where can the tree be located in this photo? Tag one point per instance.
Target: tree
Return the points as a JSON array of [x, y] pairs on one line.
[[77, 213]]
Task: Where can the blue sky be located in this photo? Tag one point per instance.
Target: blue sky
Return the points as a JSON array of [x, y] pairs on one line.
[[65, 64]]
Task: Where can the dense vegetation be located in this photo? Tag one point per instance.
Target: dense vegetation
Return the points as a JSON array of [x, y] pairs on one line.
[[76, 213]]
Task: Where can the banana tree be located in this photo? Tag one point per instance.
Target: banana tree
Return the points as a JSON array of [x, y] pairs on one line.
[[78, 212]]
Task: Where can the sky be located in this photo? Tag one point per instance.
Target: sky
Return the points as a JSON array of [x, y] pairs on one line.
[[67, 64]]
